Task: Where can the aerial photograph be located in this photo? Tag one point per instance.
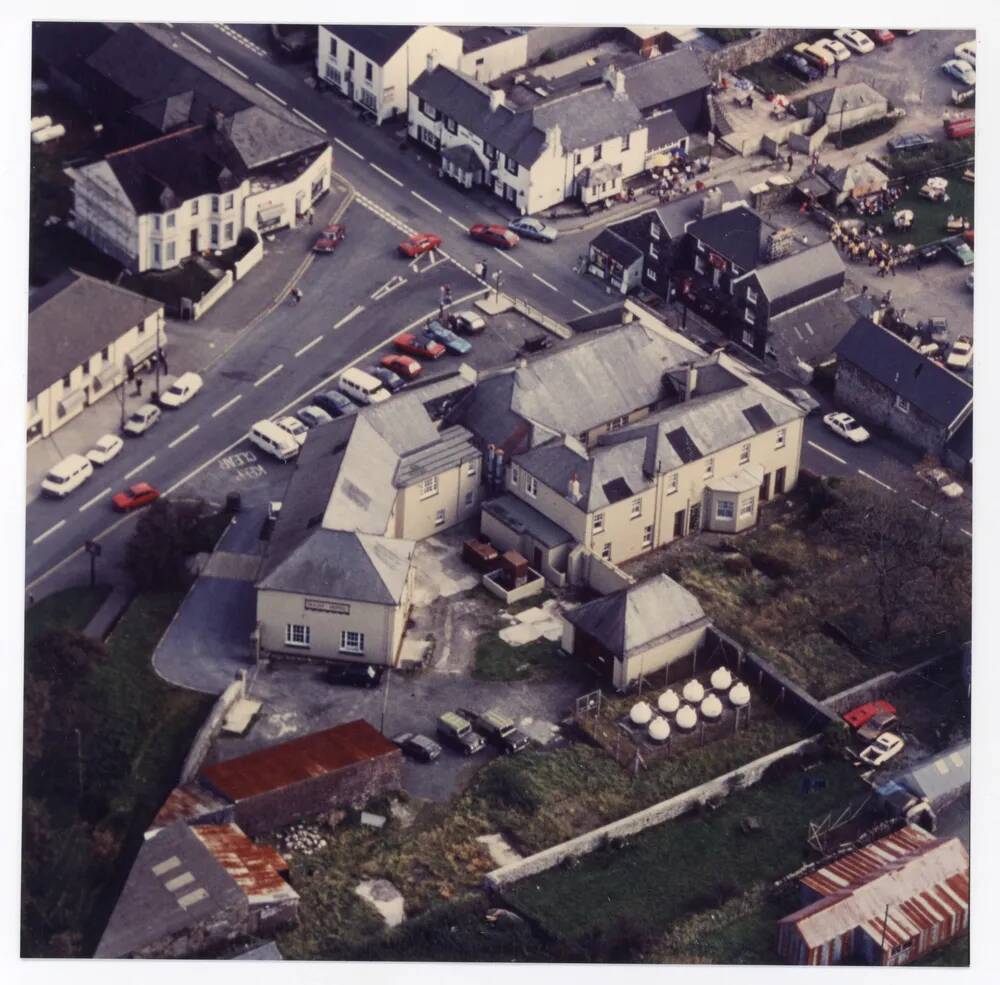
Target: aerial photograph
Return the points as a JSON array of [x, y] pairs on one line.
[[497, 493]]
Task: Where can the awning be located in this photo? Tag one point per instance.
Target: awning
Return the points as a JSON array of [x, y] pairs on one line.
[[106, 375], [71, 402], [270, 214], [141, 352]]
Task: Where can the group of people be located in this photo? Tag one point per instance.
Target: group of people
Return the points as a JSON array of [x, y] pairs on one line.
[[675, 179], [876, 204], [867, 246]]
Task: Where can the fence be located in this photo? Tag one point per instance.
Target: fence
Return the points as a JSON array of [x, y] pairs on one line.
[[874, 688]]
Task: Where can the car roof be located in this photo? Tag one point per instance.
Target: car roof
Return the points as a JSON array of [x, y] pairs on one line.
[[453, 719]]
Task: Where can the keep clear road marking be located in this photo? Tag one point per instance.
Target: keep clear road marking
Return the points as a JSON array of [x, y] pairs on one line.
[[271, 94], [546, 283], [197, 44], [186, 434], [385, 174], [506, 256], [270, 373], [51, 530], [829, 454], [348, 148], [420, 198], [877, 481], [309, 345], [461, 225], [226, 405], [309, 121], [349, 316], [583, 307], [232, 67], [140, 467], [90, 502]]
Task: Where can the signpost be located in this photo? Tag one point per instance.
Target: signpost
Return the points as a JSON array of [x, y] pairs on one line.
[[94, 550]]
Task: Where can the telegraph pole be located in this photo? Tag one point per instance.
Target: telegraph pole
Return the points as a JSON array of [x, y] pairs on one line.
[[385, 698]]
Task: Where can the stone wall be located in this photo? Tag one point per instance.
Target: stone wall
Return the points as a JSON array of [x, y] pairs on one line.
[[733, 57], [561, 40], [210, 729], [874, 688]]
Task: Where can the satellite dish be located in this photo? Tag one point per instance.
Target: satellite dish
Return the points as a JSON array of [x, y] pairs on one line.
[[641, 713], [740, 695], [668, 701], [721, 679], [659, 729], [687, 717], [711, 707], [693, 692]]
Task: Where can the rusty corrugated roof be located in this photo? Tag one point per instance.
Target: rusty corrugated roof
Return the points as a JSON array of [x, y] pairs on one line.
[[288, 763], [187, 803], [256, 869]]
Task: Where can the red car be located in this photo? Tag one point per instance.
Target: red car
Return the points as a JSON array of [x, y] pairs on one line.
[[330, 238], [418, 345], [404, 366], [860, 716], [960, 127], [419, 243], [497, 236], [881, 35], [141, 494]]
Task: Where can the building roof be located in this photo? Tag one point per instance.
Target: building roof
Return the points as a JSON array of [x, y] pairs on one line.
[[846, 98], [188, 802], [377, 42], [860, 178], [522, 518], [464, 156], [263, 952], [65, 44], [478, 37], [960, 443], [671, 76], [937, 392], [664, 130], [790, 274], [74, 317], [615, 246], [588, 117], [256, 869], [738, 234], [449, 448], [286, 764], [941, 777], [809, 331], [639, 616], [677, 214]]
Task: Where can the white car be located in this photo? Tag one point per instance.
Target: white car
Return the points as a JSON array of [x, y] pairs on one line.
[[966, 52], [294, 427], [882, 749], [181, 390], [941, 481], [843, 424], [839, 52], [960, 353], [105, 448], [533, 229], [959, 69], [855, 40], [142, 420]]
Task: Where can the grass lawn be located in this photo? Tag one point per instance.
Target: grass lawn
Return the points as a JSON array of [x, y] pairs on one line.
[[496, 660], [769, 77], [72, 608], [929, 217]]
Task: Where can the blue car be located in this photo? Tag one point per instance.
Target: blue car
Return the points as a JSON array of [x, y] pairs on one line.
[[335, 403], [455, 345]]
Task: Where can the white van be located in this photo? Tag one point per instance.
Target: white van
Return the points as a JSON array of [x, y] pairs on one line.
[[267, 436], [67, 475], [362, 387]]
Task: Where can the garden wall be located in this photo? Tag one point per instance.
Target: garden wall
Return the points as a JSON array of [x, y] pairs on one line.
[[248, 261], [210, 729], [735, 56], [875, 688], [193, 310]]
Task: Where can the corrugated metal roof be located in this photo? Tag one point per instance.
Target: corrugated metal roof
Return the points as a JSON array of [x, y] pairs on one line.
[[256, 869], [187, 803], [288, 763]]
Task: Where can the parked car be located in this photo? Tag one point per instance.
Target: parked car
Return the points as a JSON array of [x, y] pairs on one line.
[[966, 52], [497, 236], [836, 48], [457, 732], [418, 345], [405, 366], [354, 674], [142, 420], [536, 343], [312, 415], [105, 449], [815, 54], [330, 238], [418, 746], [860, 716], [418, 244], [910, 142], [393, 382], [181, 390], [65, 476], [139, 494], [960, 128], [841, 423], [957, 248], [469, 323], [961, 70], [855, 40], [882, 749], [294, 427], [799, 66], [881, 35], [335, 403], [533, 229], [497, 729], [455, 345], [940, 481], [970, 281]]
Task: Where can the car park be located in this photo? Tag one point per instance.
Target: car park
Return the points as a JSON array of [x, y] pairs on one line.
[[909, 142], [294, 427], [104, 449], [330, 238], [469, 323], [881, 36], [140, 421], [842, 424], [497, 729], [418, 244], [137, 495], [312, 415], [181, 390], [835, 47], [966, 52], [498, 236], [417, 746], [855, 40], [532, 228], [65, 476], [393, 382], [884, 748], [404, 366], [961, 70], [335, 403], [799, 66], [455, 345], [354, 674], [457, 732], [418, 345], [940, 481]]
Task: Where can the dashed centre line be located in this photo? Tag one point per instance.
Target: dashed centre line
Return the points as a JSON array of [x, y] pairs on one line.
[[421, 198], [506, 256], [140, 467], [232, 67], [311, 122], [51, 530], [96, 499], [269, 374], [186, 434], [348, 148], [542, 280], [268, 92], [385, 174], [349, 316], [582, 307], [876, 481], [309, 345], [964, 531], [461, 225], [829, 454], [227, 405], [195, 42]]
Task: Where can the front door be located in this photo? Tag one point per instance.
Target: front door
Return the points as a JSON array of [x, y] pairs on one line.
[[765, 488], [194, 241], [679, 523], [694, 525], [538, 560], [779, 481]]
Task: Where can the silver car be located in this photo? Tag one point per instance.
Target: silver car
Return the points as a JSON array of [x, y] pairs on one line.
[[533, 229]]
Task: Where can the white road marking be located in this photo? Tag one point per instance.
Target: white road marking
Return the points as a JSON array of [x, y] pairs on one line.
[[349, 316], [309, 121], [186, 434], [232, 67], [583, 307], [140, 467], [830, 454], [241, 39], [97, 498], [809, 329], [877, 481], [348, 148], [421, 198], [964, 531], [920, 506], [935, 515], [385, 174], [795, 328], [168, 24], [226, 405], [197, 44], [51, 530], [546, 283], [268, 92], [309, 345], [387, 288], [461, 225], [507, 256], [269, 374]]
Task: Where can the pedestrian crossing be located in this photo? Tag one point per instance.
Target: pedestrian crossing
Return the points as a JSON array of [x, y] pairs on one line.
[[241, 39]]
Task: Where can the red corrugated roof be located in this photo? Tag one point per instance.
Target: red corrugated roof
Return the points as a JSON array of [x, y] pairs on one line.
[[284, 765], [255, 868], [187, 803]]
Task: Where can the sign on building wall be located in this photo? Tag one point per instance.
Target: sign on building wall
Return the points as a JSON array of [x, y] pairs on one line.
[[325, 605]]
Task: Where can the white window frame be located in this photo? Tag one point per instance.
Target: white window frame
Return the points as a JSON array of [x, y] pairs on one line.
[[606, 551], [673, 483], [171, 220], [472, 469], [346, 644], [440, 518], [215, 203], [531, 486], [171, 251], [653, 253], [470, 497], [745, 453], [647, 536], [298, 634], [515, 475], [626, 140], [598, 523], [903, 406], [751, 296], [229, 201], [635, 511], [750, 317], [780, 437], [651, 274], [429, 487], [195, 206], [156, 253], [229, 232], [654, 230], [618, 423], [725, 509], [747, 506]]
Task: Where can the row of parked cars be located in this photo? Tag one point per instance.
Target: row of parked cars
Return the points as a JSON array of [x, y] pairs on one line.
[[810, 61], [466, 732]]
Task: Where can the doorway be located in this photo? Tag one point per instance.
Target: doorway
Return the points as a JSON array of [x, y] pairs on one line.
[[694, 524], [765, 488], [779, 481], [679, 523], [194, 241]]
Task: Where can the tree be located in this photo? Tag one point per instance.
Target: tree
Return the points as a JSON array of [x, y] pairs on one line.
[[165, 534], [63, 655]]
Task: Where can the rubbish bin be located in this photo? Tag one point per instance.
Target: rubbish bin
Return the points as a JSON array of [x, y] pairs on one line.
[[234, 502]]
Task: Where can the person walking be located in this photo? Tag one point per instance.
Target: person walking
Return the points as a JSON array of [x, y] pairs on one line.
[[791, 160], [836, 69], [138, 387]]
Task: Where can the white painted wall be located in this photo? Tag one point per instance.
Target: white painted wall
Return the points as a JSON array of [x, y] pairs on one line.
[[495, 60]]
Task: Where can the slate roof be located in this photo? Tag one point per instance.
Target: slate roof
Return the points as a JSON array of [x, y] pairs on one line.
[[71, 319], [520, 517], [737, 234], [670, 76], [677, 214], [942, 777], [377, 42], [452, 447], [476, 38], [588, 117], [663, 130], [66, 44], [937, 392], [639, 616], [463, 156], [783, 277], [616, 247], [960, 443], [848, 98]]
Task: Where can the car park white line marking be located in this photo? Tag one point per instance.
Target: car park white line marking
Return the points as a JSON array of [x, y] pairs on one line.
[[830, 454], [809, 328], [546, 283], [421, 198], [309, 345], [140, 467], [964, 531], [506, 256], [349, 316], [268, 92], [389, 286], [186, 434], [795, 328], [937, 516], [919, 506], [232, 67], [90, 502], [583, 307], [226, 405], [877, 481], [51, 530], [269, 374], [197, 44], [461, 225], [385, 174], [348, 148], [308, 120]]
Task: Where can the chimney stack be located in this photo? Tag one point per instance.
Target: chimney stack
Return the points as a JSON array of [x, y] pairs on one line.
[[619, 86], [497, 99], [573, 489], [712, 202], [431, 61], [690, 381], [553, 139]]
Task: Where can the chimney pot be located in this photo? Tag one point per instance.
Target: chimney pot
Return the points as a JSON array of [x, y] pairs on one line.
[[573, 488], [497, 99]]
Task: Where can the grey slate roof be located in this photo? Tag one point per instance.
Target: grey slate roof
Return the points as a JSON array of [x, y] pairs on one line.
[[71, 319], [670, 76], [263, 952], [377, 42], [639, 616], [452, 447], [588, 117], [520, 517], [464, 157], [792, 273], [852, 96], [936, 391], [663, 130], [942, 777], [737, 234], [616, 247], [677, 214]]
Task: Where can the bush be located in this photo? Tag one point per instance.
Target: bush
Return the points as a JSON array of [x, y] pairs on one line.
[[164, 536], [940, 155], [770, 565]]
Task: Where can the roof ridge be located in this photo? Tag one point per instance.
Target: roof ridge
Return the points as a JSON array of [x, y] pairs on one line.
[[155, 140]]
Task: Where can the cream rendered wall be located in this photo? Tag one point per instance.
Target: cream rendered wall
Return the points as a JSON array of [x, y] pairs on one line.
[[621, 529], [589, 438], [504, 56], [407, 64], [415, 516], [550, 503], [656, 657], [287, 194]]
